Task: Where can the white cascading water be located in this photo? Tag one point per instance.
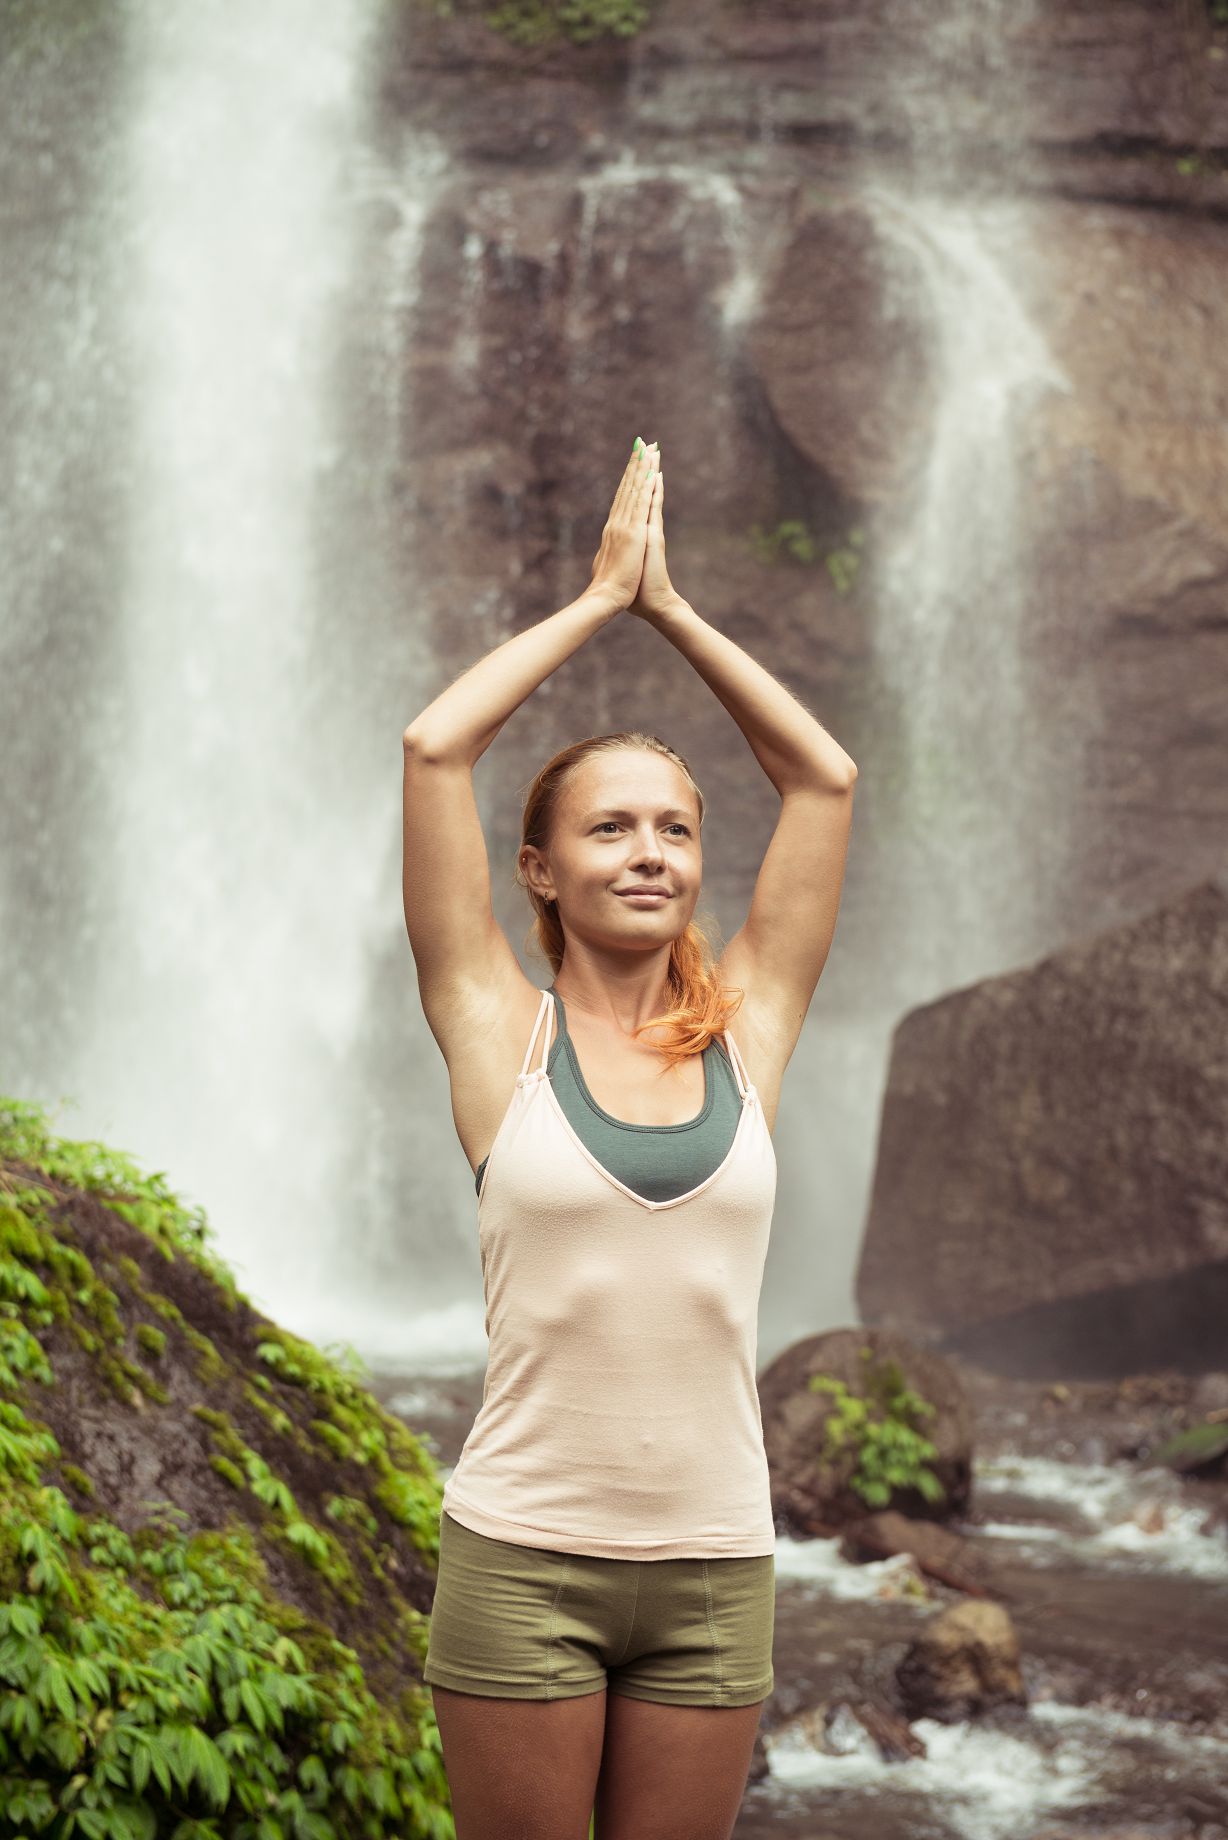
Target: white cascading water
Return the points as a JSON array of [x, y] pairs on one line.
[[263, 665]]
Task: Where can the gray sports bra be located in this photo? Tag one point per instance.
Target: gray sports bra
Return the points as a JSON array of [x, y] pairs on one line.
[[657, 1161]]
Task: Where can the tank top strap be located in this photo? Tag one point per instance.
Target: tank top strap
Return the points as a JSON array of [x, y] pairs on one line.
[[739, 1070], [543, 1010]]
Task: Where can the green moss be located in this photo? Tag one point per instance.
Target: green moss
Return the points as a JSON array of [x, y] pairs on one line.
[[151, 1680], [152, 1340], [1196, 1445], [790, 539], [356, 1513], [529, 23], [228, 1471]]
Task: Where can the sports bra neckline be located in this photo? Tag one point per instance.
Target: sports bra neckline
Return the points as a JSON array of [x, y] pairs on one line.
[[563, 1043]]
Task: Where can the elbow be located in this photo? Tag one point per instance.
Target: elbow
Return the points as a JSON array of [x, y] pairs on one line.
[[417, 742]]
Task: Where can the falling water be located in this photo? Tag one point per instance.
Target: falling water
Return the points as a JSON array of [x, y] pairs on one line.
[[976, 822], [254, 659]]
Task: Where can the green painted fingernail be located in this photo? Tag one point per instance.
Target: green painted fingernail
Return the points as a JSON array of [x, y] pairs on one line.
[[638, 445]]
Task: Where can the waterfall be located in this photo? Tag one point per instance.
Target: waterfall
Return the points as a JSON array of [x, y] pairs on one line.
[[255, 656], [201, 929]]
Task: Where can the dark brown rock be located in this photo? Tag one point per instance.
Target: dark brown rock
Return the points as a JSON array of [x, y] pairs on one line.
[[558, 299], [939, 1552], [893, 1735], [1103, 99], [812, 1493], [965, 1661], [1053, 1154], [848, 374]]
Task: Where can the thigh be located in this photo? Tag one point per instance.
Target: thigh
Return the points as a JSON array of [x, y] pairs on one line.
[[520, 1769], [516, 1671], [673, 1772]]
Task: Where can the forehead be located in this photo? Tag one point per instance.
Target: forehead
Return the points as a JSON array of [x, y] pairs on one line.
[[628, 778]]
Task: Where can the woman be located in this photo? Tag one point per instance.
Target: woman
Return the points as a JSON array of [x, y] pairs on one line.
[[602, 1626]]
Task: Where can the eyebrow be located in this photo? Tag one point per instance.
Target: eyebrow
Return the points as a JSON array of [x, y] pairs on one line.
[[610, 811]]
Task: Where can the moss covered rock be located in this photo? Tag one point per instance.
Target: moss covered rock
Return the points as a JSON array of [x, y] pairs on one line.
[[861, 1419], [217, 1549]]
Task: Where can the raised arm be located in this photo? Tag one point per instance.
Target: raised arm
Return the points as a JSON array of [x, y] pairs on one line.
[[776, 957], [458, 946]]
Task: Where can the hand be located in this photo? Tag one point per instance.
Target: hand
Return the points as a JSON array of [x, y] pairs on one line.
[[656, 592], [619, 562]]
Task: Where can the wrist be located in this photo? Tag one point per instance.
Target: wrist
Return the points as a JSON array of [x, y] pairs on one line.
[[603, 599], [675, 609]]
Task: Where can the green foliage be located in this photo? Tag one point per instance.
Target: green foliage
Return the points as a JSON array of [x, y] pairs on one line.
[[793, 540], [151, 1340], [844, 562], [529, 23], [151, 1682], [879, 1429], [790, 538], [1198, 1444]]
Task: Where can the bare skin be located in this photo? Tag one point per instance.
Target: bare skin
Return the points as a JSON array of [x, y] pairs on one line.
[[536, 1768]]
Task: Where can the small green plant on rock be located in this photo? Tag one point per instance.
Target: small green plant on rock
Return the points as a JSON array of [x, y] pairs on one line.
[[790, 538], [538, 22], [881, 1427], [844, 562]]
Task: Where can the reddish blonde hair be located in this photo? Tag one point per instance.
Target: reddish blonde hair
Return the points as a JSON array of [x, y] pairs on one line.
[[702, 1005]]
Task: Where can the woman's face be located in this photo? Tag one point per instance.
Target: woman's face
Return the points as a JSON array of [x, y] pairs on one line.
[[628, 819]]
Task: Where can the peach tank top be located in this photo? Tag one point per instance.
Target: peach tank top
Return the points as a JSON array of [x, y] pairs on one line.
[[620, 1415]]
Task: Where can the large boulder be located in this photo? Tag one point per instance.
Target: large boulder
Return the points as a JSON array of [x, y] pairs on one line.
[[1052, 1180], [815, 1487], [965, 1661]]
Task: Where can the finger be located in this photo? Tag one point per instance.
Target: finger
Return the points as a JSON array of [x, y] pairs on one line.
[[624, 484], [643, 490], [626, 491], [620, 495]]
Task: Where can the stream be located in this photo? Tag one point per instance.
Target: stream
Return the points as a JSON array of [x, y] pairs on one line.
[[1120, 1602]]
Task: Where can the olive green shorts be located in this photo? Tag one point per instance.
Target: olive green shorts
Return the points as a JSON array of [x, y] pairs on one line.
[[524, 1622]]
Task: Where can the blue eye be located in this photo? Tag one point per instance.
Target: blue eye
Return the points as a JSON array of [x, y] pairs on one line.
[[612, 823]]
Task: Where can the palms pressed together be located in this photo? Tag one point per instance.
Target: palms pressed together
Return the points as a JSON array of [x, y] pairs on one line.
[[631, 560]]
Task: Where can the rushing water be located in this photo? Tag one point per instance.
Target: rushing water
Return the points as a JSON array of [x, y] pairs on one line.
[[1120, 1604], [1119, 1600]]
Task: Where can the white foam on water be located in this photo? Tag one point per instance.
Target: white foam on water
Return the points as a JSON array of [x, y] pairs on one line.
[[818, 1563], [1132, 1517], [989, 1784], [1105, 1726]]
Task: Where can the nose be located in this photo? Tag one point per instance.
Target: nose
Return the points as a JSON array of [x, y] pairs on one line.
[[648, 847]]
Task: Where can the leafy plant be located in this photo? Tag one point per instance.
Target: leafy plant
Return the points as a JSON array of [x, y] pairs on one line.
[[152, 1681], [843, 563], [880, 1428], [790, 537], [537, 22]]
